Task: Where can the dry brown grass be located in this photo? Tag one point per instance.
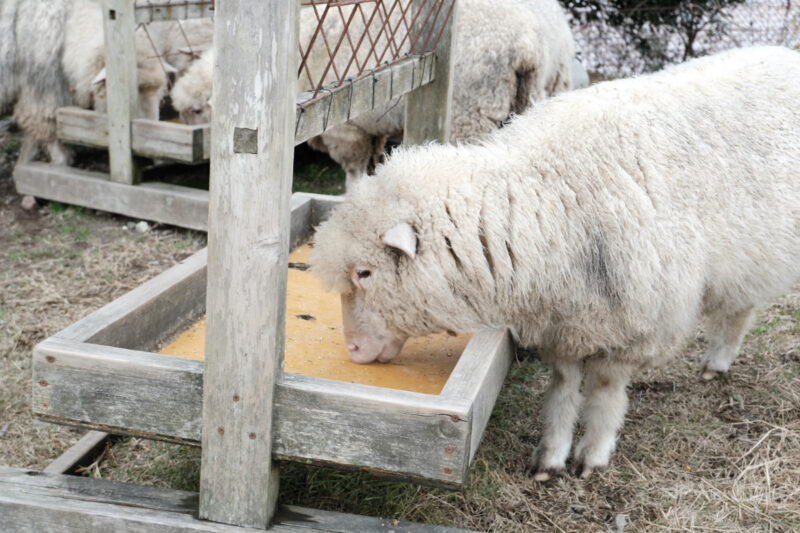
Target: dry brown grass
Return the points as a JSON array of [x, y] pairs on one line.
[[722, 456]]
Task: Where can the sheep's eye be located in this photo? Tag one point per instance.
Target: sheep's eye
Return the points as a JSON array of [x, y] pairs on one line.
[[363, 274]]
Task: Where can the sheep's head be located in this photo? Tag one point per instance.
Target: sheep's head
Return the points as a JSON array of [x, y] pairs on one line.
[[152, 79]]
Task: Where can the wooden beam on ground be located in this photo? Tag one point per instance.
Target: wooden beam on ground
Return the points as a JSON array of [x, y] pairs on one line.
[[149, 138], [254, 83], [162, 202], [35, 501], [122, 89], [81, 453], [429, 109]]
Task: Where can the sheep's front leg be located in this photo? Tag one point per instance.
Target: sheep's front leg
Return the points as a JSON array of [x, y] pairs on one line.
[[603, 413], [561, 403]]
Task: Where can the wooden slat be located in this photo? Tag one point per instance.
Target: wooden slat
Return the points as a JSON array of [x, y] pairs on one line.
[[122, 92], [248, 250], [154, 311], [479, 376], [149, 138], [34, 501], [403, 434], [153, 10], [190, 144], [161, 202], [428, 109], [337, 105], [81, 453], [142, 317]]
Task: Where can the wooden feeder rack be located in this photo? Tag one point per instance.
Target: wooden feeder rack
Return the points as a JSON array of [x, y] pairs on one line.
[[101, 372]]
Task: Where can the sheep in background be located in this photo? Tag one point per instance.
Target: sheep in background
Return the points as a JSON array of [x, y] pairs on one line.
[[599, 226], [182, 42], [191, 94], [32, 81], [51, 55], [525, 53], [84, 62], [507, 55]]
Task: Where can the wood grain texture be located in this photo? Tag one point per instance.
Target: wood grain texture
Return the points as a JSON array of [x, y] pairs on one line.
[[160, 202], [122, 90], [35, 501], [149, 138], [336, 105], [479, 376], [419, 437], [428, 109], [255, 82]]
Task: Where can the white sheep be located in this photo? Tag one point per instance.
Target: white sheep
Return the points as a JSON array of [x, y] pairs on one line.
[[52, 55], [599, 226], [524, 53], [32, 83], [507, 55], [191, 95]]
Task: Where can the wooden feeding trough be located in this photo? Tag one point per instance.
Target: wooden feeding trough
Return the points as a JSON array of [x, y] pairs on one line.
[[104, 373]]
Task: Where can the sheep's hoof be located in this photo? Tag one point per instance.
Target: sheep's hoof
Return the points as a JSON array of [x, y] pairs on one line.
[[583, 471], [542, 476], [707, 374]]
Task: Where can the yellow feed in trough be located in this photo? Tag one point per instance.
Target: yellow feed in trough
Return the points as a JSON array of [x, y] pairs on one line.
[[315, 346]]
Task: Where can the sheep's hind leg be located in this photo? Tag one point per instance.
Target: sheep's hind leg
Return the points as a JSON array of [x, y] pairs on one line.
[[603, 413], [561, 403], [725, 335]]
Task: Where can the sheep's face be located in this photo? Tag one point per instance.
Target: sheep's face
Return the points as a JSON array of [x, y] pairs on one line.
[[197, 113], [366, 276]]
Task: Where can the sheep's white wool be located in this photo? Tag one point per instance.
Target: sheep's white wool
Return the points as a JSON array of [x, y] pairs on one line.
[[51, 52], [599, 226]]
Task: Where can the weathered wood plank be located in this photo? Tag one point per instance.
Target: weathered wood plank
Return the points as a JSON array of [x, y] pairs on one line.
[[149, 138], [34, 501], [479, 376], [428, 109], [153, 10], [394, 433], [338, 104], [417, 436], [144, 317], [122, 89], [161, 202], [248, 244], [81, 453]]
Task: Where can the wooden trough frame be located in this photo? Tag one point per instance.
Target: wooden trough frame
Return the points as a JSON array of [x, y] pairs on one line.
[[238, 402], [101, 373], [121, 191]]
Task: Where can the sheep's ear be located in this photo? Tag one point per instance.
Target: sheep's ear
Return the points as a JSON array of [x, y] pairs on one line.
[[403, 238], [169, 68], [101, 76]]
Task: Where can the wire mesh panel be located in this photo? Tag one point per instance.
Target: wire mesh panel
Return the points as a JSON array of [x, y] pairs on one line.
[[624, 37], [344, 40]]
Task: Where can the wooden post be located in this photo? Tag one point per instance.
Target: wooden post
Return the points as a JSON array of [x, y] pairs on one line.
[[122, 91], [428, 109], [254, 87]]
